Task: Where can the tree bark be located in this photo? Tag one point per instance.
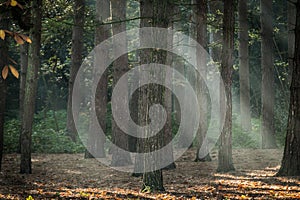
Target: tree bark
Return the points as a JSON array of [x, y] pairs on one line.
[[152, 94], [120, 157], [96, 141], [267, 65], [23, 69], [31, 86], [291, 15], [201, 37], [216, 7], [76, 60], [291, 157], [225, 163], [244, 66]]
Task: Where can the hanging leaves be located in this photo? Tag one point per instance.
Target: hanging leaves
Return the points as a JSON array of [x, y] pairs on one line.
[[25, 38], [14, 71], [18, 39], [13, 3], [2, 34], [5, 72]]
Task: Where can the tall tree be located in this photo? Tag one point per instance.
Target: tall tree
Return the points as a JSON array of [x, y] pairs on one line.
[[291, 157], [120, 157], [291, 15], [31, 86], [244, 66], [153, 13], [76, 60], [215, 35], [23, 69], [201, 37], [267, 65], [103, 32], [225, 163], [3, 62]]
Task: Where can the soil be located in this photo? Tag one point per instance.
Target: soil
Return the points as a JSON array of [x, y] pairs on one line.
[[70, 176]]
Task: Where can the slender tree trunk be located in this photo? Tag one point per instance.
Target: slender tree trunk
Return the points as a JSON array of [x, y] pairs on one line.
[[244, 67], [103, 32], [76, 60], [225, 163], [23, 67], [291, 157], [31, 86], [201, 32], [291, 15], [267, 65], [120, 66], [216, 7], [3, 62]]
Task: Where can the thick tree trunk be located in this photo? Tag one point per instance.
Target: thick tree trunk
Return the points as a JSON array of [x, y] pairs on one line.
[[120, 66], [267, 65], [291, 158], [225, 163], [152, 94], [31, 86], [103, 32], [201, 32], [244, 67], [3, 62], [76, 60]]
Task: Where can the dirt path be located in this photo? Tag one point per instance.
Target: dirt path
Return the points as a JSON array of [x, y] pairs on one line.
[[67, 176]]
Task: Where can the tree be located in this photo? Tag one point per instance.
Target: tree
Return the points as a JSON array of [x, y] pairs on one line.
[[201, 37], [291, 157], [3, 62], [267, 65], [76, 59], [31, 86], [225, 163], [120, 66], [103, 32], [291, 32], [153, 13], [244, 66], [23, 69], [215, 9]]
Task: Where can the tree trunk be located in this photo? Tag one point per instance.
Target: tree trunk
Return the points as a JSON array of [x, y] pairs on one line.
[[291, 157], [201, 32], [31, 86], [225, 163], [103, 32], [76, 60], [244, 67], [291, 15], [120, 157], [267, 65], [216, 7], [153, 94], [23, 67], [3, 62]]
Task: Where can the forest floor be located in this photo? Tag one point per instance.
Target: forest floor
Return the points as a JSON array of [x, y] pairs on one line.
[[67, 176]]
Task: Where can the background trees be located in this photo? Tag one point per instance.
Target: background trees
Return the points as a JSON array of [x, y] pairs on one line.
[[255, 73]]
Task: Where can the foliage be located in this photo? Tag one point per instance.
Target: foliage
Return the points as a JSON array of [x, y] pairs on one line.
[[48, 134]]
